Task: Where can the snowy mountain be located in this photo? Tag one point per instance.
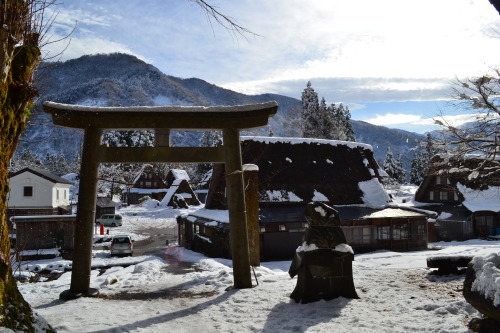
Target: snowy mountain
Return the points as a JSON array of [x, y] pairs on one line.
[[124, 80]]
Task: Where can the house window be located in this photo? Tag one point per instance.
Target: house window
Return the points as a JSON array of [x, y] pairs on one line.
[[384, 233], [148, 184], [443, 196], [431, 195], [455, 196], [65, 195], [282, 227], [438, 180], [57, 194], [400, 232], [28, 191], [262, 229]]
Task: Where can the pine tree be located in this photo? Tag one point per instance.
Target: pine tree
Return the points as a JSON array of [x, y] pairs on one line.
[[420, 162], [394, 167], [310, 110], [345, 123], [320, 121]]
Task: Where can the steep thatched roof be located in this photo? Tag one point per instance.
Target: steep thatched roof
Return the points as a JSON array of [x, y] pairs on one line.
[[296, 170]]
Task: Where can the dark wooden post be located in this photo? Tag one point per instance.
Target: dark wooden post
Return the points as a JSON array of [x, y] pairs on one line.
[[236, 206], [85, 216], [162, 137], [251, 183]]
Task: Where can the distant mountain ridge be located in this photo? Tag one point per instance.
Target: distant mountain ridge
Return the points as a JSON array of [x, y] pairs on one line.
[[124, 80]]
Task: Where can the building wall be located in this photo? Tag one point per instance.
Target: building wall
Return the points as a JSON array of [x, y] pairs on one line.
[[44, 193], [45, 234]]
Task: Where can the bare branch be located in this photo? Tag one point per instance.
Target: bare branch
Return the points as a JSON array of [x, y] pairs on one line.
[[225, 21]]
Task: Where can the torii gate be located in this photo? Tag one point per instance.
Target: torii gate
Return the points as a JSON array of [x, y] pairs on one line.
[[93, 120]]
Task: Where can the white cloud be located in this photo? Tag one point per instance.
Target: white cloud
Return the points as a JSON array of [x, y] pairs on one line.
[[394, 119]]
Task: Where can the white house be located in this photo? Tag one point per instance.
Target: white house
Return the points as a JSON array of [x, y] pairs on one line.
[[37, 190]]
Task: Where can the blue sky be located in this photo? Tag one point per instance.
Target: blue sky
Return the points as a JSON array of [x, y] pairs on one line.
[[391, 61]]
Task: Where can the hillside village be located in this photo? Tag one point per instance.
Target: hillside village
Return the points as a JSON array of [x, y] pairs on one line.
[[137, 201], [379, 210]]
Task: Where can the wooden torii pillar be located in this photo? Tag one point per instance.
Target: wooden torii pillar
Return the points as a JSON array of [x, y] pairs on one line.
[[93, 120]]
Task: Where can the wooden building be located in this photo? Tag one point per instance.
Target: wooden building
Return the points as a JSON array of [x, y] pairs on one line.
[[147, 183], [45, 232], [293, 172], [104, 205], [466, 207]]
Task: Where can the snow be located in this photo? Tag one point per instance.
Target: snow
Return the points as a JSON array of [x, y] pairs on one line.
[[318, 196], [171, 191], [307, 247], [344, 248], [183, 291], [487, 280], [180, 174], [295, 141], [374, 195], [250, 167], [282, 196], [474, 201], [320, 210]]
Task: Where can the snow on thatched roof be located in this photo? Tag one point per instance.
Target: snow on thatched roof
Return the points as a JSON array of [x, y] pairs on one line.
[[297, 170], [478, 200]]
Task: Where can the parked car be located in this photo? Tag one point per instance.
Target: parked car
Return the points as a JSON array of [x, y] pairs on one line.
[[122, 245], [113, 220]]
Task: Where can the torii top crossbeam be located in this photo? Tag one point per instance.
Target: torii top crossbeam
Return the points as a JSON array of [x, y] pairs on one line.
[[93, 120], [168, 117]]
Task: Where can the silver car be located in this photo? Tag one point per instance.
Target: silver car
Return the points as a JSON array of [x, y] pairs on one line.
[[121, 245]]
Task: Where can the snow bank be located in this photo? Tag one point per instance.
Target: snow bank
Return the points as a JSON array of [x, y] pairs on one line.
[[487, 280]]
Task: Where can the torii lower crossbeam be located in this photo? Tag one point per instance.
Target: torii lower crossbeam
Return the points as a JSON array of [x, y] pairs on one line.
[[93, 120]]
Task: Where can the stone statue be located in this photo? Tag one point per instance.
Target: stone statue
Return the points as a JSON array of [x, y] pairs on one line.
[[323, 262]]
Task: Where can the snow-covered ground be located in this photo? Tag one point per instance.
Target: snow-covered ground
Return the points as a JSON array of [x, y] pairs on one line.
[[182, 291]]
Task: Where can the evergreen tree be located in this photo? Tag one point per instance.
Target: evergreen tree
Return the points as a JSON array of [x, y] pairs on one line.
[[420, 162], [345, 123], [62, 165], [23, 159], [320, 121], [50, 162], [394, 167], [310, 111], [134, 138]]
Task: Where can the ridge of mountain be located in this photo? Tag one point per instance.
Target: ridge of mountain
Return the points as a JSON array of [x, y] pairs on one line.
[[124, 80]]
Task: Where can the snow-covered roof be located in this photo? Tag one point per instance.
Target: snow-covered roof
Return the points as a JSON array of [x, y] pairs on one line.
[[179, 174], [300, 170], [294, 141], [478, 200], [45, 174]]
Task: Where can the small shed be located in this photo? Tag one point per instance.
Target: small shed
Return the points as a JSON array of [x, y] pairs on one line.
[[105, 205], [45, 232]]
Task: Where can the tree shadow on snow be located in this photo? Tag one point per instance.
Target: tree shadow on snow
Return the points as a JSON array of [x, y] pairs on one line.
[[161, 319], [296, 317]]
